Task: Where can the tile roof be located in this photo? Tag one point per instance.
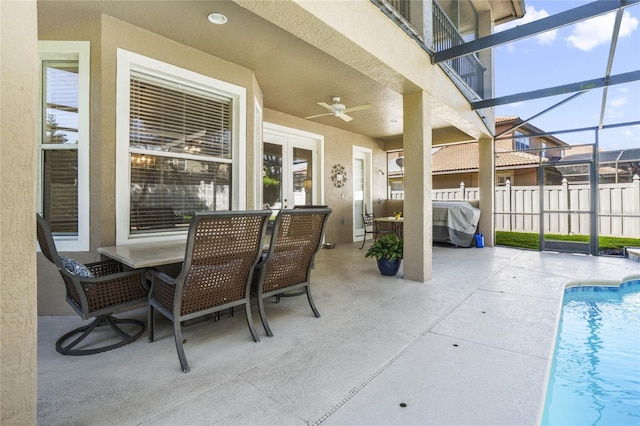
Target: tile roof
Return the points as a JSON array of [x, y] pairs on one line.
[[501, 119], [460, 157]]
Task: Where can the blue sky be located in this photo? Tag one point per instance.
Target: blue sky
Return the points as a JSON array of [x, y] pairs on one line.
[[570, 54]]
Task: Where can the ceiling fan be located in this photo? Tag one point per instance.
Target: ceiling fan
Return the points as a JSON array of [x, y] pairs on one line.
[[339, 110]]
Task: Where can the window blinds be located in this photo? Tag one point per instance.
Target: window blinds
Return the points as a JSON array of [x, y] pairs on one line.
[[180, 151], [59, 143]]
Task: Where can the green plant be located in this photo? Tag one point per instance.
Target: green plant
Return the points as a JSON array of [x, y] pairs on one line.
[[389, 247]]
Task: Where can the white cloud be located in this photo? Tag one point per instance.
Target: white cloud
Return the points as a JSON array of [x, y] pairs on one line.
[[631, 133], [596, 31], [618, 102], [531, 15]]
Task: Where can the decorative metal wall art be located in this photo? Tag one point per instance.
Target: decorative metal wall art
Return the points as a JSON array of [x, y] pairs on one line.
[[338, 175]]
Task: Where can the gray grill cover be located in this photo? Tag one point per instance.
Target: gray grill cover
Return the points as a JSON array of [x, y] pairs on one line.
[[455, 222]]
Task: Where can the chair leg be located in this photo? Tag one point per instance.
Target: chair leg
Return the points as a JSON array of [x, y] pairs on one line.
[[313, 306], [247, 309], [364, 238], [84, 331], [177, 333], [151, 319], [263, 317]]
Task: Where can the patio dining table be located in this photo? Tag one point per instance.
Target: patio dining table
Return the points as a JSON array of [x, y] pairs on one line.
[[396, 224], [149, 255]]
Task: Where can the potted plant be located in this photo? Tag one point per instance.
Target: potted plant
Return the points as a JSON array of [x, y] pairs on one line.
[[397, 214], [388, 251]]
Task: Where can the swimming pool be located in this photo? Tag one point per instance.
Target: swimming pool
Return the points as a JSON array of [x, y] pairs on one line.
[[595, 373]]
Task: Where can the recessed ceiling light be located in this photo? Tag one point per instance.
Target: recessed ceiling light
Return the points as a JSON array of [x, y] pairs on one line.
[[217, 18]]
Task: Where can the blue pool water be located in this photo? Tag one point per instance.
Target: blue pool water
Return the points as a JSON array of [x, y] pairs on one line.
[[595, 375]]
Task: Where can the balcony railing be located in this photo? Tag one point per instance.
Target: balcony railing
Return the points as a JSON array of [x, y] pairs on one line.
[[446, 36], [467, 68]]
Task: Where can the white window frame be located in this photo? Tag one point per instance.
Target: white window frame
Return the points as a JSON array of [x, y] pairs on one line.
[[521, 141], [126, 63], [78, 51]]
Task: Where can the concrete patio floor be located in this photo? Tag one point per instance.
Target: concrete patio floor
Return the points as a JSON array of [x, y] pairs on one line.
[[471, 346]]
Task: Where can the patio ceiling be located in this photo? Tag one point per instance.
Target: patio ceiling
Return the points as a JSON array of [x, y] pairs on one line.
[[293, 75]]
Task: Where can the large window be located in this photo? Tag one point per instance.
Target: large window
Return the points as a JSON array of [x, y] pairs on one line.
[[178, 147], [63, 191]]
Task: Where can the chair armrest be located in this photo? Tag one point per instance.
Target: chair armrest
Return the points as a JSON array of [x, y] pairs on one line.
[[163, 277], [163, 288], [109, 293]]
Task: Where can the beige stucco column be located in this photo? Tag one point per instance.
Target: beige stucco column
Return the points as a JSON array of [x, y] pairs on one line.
[[486, 177], [418, 231], [18, 118]]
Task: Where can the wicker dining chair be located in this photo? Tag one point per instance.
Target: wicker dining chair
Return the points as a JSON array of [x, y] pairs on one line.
[[287, 266], [222, 251], [96, 290]]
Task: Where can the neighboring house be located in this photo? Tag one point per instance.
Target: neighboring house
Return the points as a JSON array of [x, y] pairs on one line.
[[459, 163], [616, 166], [512, 135], [518, 156]]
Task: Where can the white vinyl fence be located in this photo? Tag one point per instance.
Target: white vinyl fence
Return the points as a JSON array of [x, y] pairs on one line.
[[517, 208]]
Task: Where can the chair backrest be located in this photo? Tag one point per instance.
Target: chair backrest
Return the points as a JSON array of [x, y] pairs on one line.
[[296, 239], [222, 251], [367, 220], [45, 239], [48, 248]]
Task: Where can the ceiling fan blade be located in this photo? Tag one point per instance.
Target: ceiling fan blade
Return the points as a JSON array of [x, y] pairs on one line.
[[327, 106], [345, 117], [319, 115], [358, 108]]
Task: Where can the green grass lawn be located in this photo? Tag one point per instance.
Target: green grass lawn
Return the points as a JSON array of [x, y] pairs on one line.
[[606, 245]]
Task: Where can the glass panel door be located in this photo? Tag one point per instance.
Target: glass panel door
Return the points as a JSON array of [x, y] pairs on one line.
[[289, 172], [302, 176], [272, 176]]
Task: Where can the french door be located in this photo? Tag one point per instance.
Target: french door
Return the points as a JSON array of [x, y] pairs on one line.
[[290, 168]]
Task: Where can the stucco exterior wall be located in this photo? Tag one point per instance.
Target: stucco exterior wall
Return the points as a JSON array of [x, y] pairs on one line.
[[18, 321]]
